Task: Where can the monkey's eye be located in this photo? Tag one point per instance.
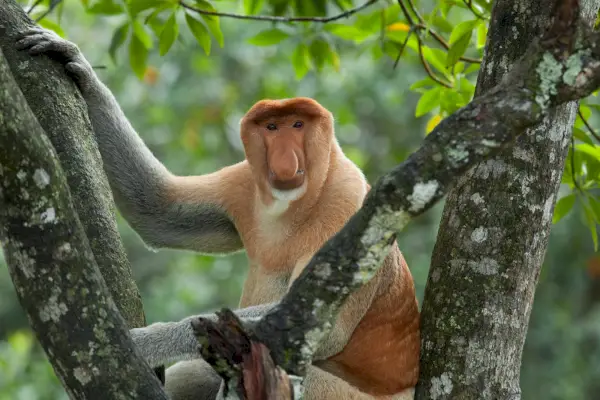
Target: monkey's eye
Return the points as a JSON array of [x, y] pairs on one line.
[[271, 127], [298, 124]]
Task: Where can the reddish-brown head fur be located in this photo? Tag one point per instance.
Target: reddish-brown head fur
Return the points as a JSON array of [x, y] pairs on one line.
[[287, 143]]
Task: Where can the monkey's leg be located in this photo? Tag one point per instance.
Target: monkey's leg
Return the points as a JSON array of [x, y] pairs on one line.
[[192, 380], [322, 385], [196, 380]]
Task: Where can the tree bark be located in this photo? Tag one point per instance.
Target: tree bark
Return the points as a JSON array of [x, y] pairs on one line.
[[62, 113], [493, 236], [53, 268]]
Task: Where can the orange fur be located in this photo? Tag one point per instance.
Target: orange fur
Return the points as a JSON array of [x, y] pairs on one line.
[[380, 353]]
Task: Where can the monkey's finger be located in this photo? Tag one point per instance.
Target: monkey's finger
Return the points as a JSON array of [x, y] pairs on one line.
[[76, 69], [29, 41], [42, 47], [32, 30]]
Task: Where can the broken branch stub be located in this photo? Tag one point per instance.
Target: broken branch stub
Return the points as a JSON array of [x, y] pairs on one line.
[[240, 359]]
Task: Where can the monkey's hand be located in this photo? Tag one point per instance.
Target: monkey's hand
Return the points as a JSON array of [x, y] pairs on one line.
[[166, 342], [37, 40]]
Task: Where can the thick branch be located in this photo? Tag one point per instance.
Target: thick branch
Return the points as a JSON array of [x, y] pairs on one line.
[[62, 113], [53, 269], [241, 360], [496, 222], [272, 18]]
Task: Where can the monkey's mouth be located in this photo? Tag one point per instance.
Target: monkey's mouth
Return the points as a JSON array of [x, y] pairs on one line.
[[287, 184], [291, 194]]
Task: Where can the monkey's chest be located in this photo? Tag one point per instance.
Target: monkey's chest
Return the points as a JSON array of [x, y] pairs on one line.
[[270, 271]]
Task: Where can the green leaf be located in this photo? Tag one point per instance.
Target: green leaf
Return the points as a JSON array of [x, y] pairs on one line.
[[436, 58], [138, 55], [268, 37], [20, 342], [137, 6], [585, 111], [53, 26], [319, 51], [252, 7], [428, 101], [462, 29], [481, 35], [472, 68], [467, 89], [212, 21], [457, 49], [451, 100], [347, 32], [581, 135], [301, 60], [168, 34], [427, 81], [459, 40], [199, 31], [590, 149], [117, 40], [334, 60], [106, 7], [562, 207], [343, 5], [142, 34], [153, 16]]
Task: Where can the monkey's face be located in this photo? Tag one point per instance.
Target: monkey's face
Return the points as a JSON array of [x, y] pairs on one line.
[[284, 144], [283, 141]]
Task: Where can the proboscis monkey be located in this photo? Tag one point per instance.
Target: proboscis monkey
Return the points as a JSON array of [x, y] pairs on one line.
[[294, 190]]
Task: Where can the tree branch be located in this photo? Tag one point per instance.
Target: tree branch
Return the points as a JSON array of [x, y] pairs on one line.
[[271, 18], [62, 113], [53, 268], [420, 25], [588, 126]]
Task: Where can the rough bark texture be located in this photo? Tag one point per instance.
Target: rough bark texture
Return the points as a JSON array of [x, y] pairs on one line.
[[53, 268], [62, 113], [493, 235], [241, 360]]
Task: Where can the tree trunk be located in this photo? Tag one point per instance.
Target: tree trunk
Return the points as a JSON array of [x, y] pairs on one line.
[[53, 269], [493, 236], [62, 113]]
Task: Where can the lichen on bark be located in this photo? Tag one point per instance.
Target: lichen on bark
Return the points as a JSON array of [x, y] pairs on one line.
[[62, 113], [495, 225], [53, 268]]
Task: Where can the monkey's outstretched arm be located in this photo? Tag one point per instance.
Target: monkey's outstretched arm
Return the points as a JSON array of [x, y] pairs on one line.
[[167, 342], [144, 190]]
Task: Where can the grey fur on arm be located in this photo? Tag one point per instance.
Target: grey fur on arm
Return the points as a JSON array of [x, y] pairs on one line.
[[140, 183], [167, 342]]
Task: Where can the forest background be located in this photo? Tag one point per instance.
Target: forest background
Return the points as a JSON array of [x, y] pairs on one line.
[[187, 106]]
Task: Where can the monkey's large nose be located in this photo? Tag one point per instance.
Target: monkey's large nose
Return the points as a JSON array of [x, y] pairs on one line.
[[285, 171]]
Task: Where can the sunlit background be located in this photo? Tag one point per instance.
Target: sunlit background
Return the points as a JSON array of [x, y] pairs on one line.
[[187, 109]]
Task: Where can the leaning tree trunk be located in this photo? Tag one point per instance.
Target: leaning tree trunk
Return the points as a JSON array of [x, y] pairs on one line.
[[62, 113], [53, 268], [493, 236]]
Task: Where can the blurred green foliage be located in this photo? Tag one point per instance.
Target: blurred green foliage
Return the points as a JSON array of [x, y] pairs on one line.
[[389, 73]]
